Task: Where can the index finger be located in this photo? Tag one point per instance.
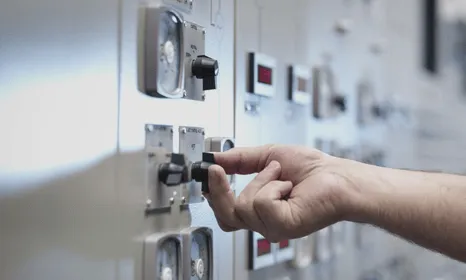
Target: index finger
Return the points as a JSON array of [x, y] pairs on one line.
[[244, 160]]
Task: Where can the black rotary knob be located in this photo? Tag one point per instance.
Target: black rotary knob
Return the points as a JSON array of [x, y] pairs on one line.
[[175, 172], [200, 170], [206, 68], [340, 102]]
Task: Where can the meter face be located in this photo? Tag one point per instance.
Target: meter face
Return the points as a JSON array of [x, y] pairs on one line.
[[170, 60], [167, 260], [200, 259], [162, 257], [197, 247]]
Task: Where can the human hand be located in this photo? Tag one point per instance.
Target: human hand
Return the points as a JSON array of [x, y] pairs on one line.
[[297, 190]]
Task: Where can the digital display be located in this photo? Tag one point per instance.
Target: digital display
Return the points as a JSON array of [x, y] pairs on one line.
[[263, 247], [302, 85], [264, 74], [284, 244]]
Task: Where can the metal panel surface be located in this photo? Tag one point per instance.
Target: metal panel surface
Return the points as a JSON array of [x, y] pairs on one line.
[[59, 119], [215, 115]]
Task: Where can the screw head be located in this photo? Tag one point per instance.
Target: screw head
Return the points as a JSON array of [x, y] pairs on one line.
[[183, 199], [203, 132], [149, 128], [184, 93], [172, 200], [148, 203], [203, 97], [171, 130], [183, 130], [203, 31]]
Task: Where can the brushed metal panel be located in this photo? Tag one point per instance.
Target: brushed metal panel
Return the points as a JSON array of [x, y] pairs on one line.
[[58, 113]]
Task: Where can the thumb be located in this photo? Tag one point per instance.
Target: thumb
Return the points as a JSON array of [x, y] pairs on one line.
[[274, 210]]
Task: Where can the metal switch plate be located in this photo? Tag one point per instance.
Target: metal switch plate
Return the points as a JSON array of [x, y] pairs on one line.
[[192, 146], [159, 146], [194, 38]]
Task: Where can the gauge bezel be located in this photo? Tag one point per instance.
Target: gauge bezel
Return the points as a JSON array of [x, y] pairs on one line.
[[149, 51], [186, 235], [152, 244]]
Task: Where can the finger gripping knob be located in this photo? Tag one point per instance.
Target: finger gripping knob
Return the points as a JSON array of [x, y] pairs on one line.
[[200, 170]]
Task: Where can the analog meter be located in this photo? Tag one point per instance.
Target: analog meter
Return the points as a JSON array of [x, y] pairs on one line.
[[198, 262], [162, 257], [161, 52]]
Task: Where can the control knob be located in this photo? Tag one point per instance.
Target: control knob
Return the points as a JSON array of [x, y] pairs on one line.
[[340, 102], [174, 172], [200, 170], [206, 68]]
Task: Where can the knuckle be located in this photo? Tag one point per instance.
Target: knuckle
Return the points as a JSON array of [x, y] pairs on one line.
[[225, 228]]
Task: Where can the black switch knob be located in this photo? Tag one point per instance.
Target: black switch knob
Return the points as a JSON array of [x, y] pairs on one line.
[[340, 102], [206, 68], [175, 172], [200, 171]]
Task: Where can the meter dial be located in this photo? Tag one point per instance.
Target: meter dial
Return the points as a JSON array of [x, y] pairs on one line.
[[199, 243], [162, 52], [170, 60], [162, 258], [167, 260]]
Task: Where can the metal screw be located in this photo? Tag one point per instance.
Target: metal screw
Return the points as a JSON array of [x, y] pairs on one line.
[[203, 97], [191, 3], [175, 193], [185, 24], [203, 31], [183, 130], [148, 203], [172, 200], [203, 132], [149, 127], [183, 199], [184, 93], [171, 130]]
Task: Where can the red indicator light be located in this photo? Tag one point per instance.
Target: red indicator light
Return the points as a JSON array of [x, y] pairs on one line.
[[284, 244], [263, 247], [264, 75]]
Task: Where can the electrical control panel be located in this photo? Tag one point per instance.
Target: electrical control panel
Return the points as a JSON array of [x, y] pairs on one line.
[[327, 102], [172, 59], [369, 108], [299, 84], [262, 74]]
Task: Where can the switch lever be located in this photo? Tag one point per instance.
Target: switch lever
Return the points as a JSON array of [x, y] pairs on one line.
[[200, 170], [206, 68]]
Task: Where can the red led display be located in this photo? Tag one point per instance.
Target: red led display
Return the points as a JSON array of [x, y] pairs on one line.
[[263, 247], [284, 244], [264, 75]]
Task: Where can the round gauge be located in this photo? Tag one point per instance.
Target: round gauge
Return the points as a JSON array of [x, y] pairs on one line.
[[167, 260], [170, 61], [200, 259]]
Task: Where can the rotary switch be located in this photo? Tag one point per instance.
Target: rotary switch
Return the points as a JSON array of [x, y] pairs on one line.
[[200, 170], [206, 68], [340, 102], [175, 172]]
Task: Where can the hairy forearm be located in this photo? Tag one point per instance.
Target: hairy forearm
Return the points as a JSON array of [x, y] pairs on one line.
[[426, 208]]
